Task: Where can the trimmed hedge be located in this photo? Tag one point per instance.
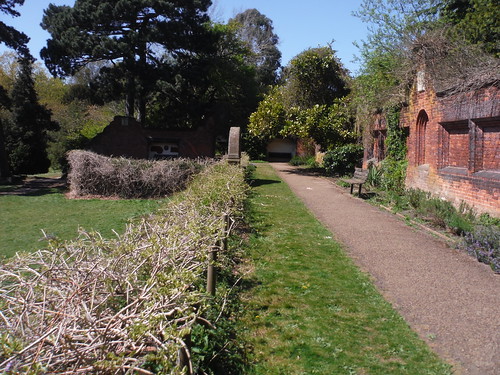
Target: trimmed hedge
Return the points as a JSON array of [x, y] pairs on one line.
[[128, 305], [93, 174]]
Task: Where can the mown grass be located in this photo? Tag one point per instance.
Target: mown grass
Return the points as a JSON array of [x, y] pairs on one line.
[[23, 217], [309, 310]]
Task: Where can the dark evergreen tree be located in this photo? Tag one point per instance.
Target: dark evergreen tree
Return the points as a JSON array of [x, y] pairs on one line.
[[16, 40], [478, 21], [142, 41], [26, 132], [9, 36]]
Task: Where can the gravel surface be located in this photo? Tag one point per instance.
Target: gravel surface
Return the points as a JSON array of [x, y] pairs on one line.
[[450, 299]]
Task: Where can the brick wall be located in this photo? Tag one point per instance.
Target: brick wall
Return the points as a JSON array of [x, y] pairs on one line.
[[462, 140], [454, 146], [126, 137]]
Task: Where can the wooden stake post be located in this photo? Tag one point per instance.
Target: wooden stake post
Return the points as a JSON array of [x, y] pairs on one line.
[[212, 257]]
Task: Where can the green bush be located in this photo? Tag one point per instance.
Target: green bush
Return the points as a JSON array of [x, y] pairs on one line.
[[416, 197], [343, 159], [393, 174], [374, 177], [309, 161]]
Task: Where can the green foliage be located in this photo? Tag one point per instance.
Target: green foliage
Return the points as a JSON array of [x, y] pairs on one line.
[[254, 146], [310, 103], [257, 32], [393, 174], [343, 159], [328, 126], [309, 161], [144, 40], [9, 36], [477, 21], [26, 132], [269, 119], [394, 165], [374, 176], [315, 77]]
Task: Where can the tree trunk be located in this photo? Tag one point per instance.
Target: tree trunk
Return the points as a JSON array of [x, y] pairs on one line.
[[141, 109], [4, 164], [130, 97]]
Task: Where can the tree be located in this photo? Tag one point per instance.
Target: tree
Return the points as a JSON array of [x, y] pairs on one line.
[[478, 21], [311, 103], [9, 36], [26, 132], [257, 32], [16, 40], [315, 76], [141, 40]]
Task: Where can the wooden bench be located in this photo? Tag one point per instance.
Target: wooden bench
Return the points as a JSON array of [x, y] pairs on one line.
[[360, 176]]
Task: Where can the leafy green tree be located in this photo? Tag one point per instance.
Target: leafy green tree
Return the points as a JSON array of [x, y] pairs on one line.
[[478, 21], [257, 32], [141, 39], [220, 84], [315, 76], [269, 119], [26, 132], [311, 103], [328, 125]]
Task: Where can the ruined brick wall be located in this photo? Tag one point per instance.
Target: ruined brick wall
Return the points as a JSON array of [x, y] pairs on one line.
[[125, 136], [454, 146]]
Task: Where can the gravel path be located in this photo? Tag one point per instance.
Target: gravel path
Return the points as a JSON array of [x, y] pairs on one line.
[[451, 300]]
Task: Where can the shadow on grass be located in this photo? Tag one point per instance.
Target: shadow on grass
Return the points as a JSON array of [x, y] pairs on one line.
[[260, 182], [35, 187]]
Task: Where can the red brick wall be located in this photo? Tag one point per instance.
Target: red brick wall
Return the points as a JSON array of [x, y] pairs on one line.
[[458, 152], [462, 141], [491, 147], [457, 157]]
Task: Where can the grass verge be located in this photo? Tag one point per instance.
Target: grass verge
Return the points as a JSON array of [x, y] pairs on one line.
[[23, 217], [308, 309]]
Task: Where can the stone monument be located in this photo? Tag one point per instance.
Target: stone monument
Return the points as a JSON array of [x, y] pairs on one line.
[[233, 148]]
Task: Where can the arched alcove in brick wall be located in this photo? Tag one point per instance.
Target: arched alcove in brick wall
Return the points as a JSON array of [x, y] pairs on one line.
[[422, 120]]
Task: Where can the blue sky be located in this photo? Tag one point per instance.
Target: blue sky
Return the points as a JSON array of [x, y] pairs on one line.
[[300, 24]]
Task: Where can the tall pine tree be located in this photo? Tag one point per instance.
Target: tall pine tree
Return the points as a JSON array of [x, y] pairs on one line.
[[141, 41], [26, 132], [16, 40]]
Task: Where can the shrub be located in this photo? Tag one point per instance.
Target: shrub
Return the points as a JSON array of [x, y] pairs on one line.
[[309, 161], [128, 305], [374, 177], [93, 174], [484, 244], [393, 174], [343, 159], [416, 197]]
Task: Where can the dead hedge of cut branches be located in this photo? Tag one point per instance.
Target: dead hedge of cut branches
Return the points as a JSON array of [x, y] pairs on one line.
[[93, 174], [123, 306]]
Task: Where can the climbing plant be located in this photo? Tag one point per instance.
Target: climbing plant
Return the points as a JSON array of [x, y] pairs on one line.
[[395, 163]]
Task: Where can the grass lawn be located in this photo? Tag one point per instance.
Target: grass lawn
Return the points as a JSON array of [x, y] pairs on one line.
[[308, 309], [23, 217]]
